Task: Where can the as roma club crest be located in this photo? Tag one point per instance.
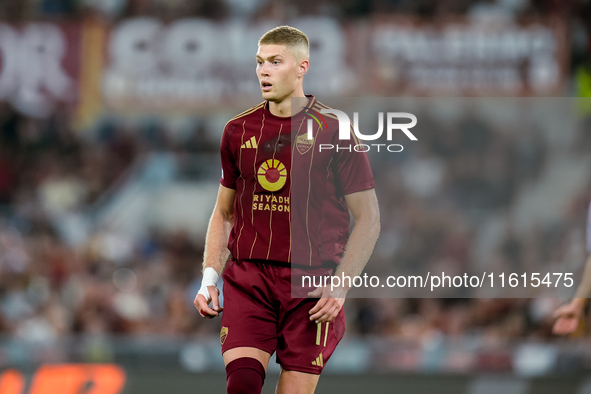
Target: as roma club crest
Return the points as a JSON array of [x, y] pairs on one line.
[[223, 335], [303, 144]]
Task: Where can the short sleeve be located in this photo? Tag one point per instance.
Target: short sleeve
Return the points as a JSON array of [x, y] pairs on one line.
[[353, 171], [230, 171]]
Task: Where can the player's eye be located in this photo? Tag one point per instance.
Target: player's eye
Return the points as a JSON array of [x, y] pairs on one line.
[[276, 62]]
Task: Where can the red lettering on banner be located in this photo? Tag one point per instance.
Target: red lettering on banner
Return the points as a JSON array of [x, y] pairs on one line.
[[67, 379], [11, 382]]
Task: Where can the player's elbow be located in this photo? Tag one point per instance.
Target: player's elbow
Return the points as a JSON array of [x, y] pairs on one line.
[[375, 221], [372, 212], [369, 220], [224, 214], [227, 216]]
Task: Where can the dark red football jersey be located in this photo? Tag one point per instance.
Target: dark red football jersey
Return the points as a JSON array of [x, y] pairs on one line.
[[290, 204]]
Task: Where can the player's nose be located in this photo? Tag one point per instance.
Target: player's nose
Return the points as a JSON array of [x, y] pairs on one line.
[[263, 70]]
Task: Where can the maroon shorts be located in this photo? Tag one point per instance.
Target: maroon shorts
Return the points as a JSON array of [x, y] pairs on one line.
[[259, 312]]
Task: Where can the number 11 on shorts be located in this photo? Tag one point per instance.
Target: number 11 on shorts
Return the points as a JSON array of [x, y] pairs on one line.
[[319, 333]]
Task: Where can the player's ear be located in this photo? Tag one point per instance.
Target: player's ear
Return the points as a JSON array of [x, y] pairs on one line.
[[303, 67]]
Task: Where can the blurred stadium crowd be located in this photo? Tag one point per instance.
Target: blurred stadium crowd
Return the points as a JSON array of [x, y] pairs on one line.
[[108, 283], [51, 287], [439, 200]]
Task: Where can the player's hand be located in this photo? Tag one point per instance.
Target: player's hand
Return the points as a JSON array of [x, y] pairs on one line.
[[567, 318], [329, 305], [208, 293], [202, 304]]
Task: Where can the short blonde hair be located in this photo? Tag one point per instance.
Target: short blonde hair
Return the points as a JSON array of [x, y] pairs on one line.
[[295, 40]]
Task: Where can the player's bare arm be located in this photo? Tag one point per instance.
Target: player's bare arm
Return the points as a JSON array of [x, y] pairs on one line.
[[216, 252], [365, 210], [568, 316]]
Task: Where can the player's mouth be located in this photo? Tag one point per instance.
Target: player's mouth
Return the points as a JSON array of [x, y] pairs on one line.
[[266, 86]]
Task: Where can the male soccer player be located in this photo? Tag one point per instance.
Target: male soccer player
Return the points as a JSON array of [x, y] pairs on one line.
[[257, 208], [569, 315]]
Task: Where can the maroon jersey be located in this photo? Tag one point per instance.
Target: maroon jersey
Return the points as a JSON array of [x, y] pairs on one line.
[[290, 204]]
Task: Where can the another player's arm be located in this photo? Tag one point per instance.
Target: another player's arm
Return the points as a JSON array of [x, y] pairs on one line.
[[216, 252], [567, 316], [365, 210]]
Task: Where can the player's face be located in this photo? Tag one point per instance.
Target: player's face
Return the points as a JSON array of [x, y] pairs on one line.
[[278, 71]]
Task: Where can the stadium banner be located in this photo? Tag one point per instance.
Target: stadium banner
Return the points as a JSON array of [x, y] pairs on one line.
[[379, 366], [145, 64], [40, 66], [196, 64], [468, 57], [87, 378], [469, 190]]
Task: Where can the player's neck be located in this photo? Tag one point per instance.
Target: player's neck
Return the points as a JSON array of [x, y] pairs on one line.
[[283, 108]]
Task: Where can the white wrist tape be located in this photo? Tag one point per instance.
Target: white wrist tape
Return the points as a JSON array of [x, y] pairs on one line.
[[210, 278]]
